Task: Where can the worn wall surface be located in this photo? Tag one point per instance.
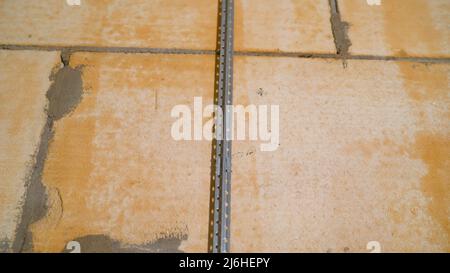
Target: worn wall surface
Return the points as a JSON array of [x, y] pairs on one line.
[[286, 26], [113, 168], [360, 158], [398, 27], [139, 23], [86, 151]]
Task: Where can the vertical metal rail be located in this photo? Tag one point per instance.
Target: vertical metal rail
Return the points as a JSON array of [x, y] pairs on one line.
[[220, 242]]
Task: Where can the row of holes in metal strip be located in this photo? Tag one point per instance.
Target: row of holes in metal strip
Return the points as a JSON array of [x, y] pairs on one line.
[[217, 230]]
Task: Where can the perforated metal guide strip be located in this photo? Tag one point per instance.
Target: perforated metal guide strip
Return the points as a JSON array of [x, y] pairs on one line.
[[223, 121]]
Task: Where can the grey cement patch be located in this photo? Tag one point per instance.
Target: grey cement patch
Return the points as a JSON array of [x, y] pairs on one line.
[[65, 93], [104, 244], [4, 245], [35, 205], [340, 31], [63, 96], [65, 57]]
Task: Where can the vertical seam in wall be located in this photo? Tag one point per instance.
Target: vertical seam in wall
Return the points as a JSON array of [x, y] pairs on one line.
[[61, 101]]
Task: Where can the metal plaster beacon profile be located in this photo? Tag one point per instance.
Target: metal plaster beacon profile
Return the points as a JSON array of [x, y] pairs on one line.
[[220, 210]]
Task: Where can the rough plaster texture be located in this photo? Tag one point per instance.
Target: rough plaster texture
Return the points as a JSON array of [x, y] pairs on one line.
[[363, 156], [398, 27], [113, 168], [24, 80]]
